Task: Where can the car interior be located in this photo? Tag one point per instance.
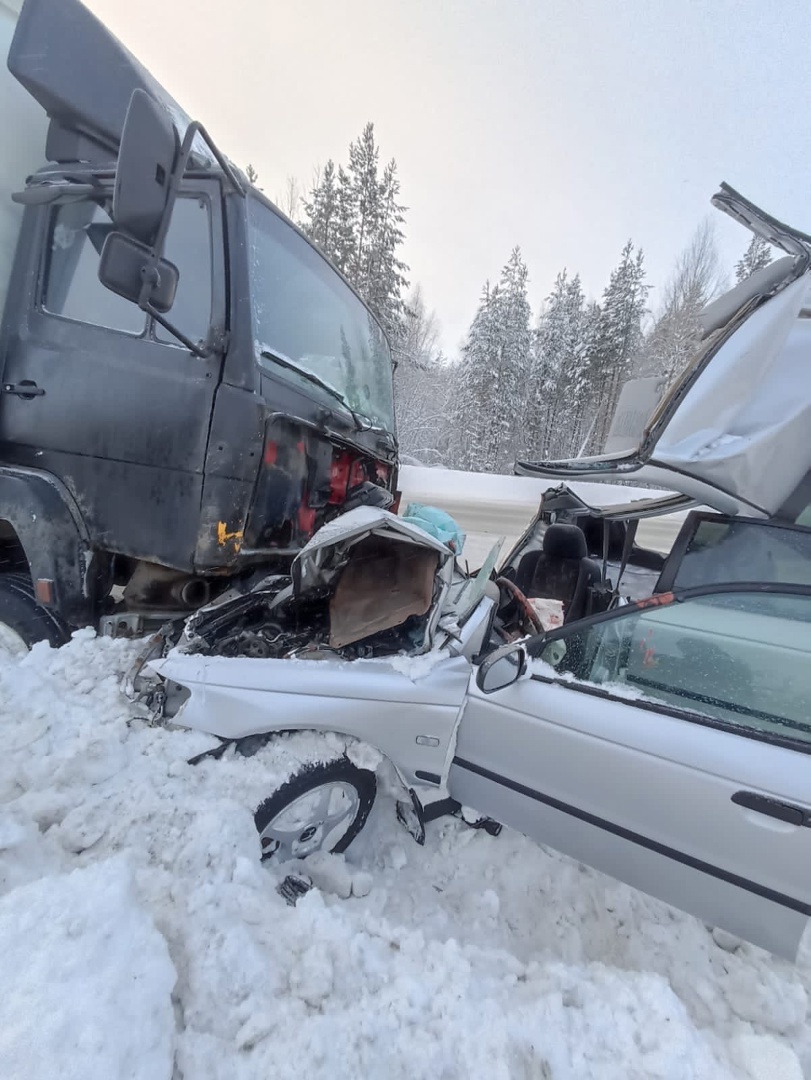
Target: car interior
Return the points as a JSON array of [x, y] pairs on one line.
[[586, 562]]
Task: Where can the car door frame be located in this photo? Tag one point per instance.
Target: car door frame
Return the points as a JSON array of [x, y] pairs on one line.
[[539, 790]]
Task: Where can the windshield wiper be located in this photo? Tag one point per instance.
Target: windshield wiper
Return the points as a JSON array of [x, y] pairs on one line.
[[364, 424]]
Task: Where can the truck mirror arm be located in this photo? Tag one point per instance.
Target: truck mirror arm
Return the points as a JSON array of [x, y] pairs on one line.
[[151, 268], [202, 351]]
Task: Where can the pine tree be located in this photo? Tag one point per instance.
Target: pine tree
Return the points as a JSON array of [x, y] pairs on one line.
[[476, 375], [252, 174], [322, 211], [387, 272], [756, 256], [362, 171], [355, 217], [344, 242], [513, 321], [677, 330], [559, 365], [618, 337], [422, 384], [493, 373]]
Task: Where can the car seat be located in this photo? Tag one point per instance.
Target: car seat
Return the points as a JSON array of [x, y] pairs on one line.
[[561, 571]]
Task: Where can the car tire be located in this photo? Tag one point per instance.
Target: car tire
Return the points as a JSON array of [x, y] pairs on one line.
[[23, 621], [322, 807]]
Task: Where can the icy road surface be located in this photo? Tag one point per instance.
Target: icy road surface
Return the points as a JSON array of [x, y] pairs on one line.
[[489, 506], [141, 938]]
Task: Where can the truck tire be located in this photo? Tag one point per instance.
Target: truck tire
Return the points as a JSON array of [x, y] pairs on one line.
[[24, 622]]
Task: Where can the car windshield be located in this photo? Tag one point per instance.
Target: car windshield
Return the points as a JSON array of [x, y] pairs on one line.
[[308, 317]]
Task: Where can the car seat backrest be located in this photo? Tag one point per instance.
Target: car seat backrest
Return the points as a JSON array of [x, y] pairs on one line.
[[561, 571]]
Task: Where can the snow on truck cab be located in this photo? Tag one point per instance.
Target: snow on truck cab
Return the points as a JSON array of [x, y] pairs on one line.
[[189, 388]]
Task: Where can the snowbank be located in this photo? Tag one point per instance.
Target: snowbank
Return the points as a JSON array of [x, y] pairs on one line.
[[127, 872], [85, 981]]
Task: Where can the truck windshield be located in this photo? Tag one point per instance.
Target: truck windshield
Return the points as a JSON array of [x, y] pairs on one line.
[[306, 314]]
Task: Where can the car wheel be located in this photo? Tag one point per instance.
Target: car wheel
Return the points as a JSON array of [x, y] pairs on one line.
[[23, 621], [322, 807]]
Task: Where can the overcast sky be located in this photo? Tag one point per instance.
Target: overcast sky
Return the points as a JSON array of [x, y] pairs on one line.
[[563, 127]]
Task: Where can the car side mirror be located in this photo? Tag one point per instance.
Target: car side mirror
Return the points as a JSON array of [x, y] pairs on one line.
[[501, 668], [147, 158], [125, 265]]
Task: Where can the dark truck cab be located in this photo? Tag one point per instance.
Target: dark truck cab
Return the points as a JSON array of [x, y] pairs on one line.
[[189, 388]]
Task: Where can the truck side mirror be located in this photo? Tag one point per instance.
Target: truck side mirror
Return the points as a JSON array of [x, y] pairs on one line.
[[125, 265], [147, 158]]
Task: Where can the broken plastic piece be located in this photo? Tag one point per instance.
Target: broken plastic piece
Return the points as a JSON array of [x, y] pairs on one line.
[[294, 887]]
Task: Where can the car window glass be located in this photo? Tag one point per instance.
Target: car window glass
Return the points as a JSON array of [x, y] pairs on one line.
[[721, 552], [188, 246], [72, 287], [740, 657]]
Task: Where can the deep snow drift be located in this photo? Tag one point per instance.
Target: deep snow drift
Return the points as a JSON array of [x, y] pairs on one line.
[[141, 937]]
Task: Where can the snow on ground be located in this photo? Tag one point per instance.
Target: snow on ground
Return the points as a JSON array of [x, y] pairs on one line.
[[141, 937]]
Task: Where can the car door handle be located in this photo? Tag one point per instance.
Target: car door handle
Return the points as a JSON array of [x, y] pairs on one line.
[[24, 389], [783, 811]]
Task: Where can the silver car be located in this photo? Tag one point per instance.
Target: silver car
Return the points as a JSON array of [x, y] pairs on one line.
[[661, 734]]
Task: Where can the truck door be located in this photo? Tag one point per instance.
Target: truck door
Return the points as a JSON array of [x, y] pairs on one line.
[[100, 395]]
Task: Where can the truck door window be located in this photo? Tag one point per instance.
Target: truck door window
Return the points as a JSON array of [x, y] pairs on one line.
[[188, 246], [72, 288]]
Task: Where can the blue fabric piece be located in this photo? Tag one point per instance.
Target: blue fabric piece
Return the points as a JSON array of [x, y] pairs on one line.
[[437, 524]]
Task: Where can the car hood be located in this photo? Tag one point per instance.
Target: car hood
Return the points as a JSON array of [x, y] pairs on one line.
[[319, 560], [732, 431]]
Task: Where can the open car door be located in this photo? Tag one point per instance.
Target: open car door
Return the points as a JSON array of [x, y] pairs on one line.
[[731, 432], [665, 743]]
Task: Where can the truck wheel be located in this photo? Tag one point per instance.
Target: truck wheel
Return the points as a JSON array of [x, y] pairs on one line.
[[24, 622], [322, 807]]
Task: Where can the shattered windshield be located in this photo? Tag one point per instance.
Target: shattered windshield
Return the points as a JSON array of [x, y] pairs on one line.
[[308, 317]]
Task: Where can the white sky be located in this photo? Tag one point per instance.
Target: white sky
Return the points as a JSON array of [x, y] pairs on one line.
[[564, 127]]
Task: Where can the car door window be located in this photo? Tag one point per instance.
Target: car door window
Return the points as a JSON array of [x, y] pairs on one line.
[[724, 551], [72, 288], [742, 658], [188, 246]]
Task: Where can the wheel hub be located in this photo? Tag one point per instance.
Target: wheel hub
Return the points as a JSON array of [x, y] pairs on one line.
[[315, 821]]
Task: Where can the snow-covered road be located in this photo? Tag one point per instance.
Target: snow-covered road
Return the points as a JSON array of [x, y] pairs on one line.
[[140, 937]]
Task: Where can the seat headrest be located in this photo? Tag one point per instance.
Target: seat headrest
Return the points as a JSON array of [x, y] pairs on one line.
[[564, 542]]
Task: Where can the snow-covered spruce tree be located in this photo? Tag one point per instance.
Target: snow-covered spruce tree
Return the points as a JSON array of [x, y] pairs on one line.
[[696, 279], [321, 210], [513, 321], [355, 217], [475, 377], [617, 339], [365, 183], [756, 256], [387, 280], [556, 398], [344, 241], [492, 378], [422, 385]]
